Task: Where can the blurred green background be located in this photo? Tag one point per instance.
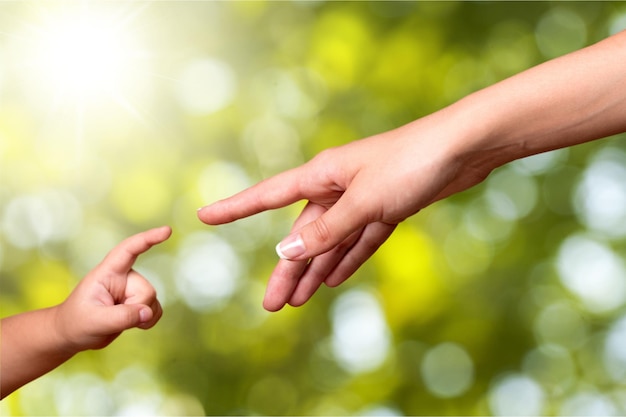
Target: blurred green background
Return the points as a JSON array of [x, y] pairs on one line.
[[119, 116]]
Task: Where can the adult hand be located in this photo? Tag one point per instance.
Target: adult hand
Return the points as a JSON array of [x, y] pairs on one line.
[[357, 194]]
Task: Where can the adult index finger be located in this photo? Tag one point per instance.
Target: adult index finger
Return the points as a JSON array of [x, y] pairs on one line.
[[123, 256], [275, 192]]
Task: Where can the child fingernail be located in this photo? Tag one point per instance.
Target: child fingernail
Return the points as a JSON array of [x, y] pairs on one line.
[[291, 247], [144, 315]]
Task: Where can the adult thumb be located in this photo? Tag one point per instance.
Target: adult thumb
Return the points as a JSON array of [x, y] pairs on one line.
[[324, 233]]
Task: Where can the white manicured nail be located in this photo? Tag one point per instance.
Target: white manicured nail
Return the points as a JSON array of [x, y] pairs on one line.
[[291, 247]]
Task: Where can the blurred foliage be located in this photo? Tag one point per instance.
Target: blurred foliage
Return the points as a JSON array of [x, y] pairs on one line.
[[506, 299]]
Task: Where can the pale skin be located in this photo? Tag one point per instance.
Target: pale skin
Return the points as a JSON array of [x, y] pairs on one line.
[[358, 193], [110, 299]]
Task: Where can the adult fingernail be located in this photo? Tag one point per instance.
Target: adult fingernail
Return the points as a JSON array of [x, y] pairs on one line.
[[292, 246]]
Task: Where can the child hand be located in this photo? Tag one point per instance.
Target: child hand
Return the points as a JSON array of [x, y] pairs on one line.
[[111, 298]]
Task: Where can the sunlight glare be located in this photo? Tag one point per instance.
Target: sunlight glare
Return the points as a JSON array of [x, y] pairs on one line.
[[85, 56]]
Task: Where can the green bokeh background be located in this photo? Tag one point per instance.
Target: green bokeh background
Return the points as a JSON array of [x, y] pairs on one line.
[[506, 299]]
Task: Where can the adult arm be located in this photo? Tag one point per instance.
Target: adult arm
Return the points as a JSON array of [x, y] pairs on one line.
[[359, 192]]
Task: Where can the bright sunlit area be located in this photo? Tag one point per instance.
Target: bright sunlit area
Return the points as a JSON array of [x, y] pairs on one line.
[[84, 55], [79, 62]]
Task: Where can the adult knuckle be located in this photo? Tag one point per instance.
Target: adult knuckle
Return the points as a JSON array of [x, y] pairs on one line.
[[370, 244], [321, 230], [324, 157]]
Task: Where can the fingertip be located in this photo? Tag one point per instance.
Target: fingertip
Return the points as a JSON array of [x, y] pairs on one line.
[[301, 295], [272, 306], [206, 216], [149, 317], [216, 213], [291, 248], [161, 233], [121, 317], [295, 302], [167, 230], [331, 284], [145, 315], [122, 257]]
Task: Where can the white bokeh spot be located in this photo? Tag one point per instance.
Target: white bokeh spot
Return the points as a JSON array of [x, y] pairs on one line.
[[360, 339], [208, 271], [206, 85], [447, 370], [516, 395], [593, 272]]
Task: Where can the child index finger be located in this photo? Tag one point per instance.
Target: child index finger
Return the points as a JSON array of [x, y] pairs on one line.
[[123, 256]]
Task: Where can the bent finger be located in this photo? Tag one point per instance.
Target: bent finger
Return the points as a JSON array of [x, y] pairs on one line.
[[117, 318], [138, 289], [147, 321], [287, 274], [371, 239], [282, 283], [318, 270], [350, 213]]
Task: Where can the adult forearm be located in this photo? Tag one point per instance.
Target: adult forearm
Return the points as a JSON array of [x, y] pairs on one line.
[[566, 101], [30, 348]]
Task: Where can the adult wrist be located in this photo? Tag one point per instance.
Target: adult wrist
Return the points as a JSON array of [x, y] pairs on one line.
[[484, 139]]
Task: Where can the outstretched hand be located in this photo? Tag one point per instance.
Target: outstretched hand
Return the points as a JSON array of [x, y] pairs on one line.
[[357, 194], [112, 297]]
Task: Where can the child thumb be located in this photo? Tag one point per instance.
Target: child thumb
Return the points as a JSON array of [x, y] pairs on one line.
[[126, 316]]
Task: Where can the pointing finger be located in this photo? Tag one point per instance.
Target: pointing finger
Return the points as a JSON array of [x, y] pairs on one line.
[[272, 193], [123, 256]]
